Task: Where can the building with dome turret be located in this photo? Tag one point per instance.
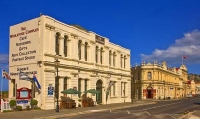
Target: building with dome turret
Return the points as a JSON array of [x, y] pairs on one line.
[[158, 81]]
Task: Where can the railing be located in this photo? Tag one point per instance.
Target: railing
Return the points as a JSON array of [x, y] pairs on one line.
[[5, 105]]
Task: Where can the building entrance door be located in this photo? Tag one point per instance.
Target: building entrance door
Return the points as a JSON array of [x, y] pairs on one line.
[[99, 88], [149, 92]]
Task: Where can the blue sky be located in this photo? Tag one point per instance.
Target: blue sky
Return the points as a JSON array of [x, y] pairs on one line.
[[152, 29]]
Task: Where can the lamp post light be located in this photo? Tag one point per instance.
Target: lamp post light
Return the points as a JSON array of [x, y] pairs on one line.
[[57, 62]]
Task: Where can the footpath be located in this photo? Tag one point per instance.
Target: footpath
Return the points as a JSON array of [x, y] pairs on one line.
[[51, 114]]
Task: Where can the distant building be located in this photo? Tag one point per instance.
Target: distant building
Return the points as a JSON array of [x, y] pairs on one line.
[[197, 86], [157, 81], [87, 61]]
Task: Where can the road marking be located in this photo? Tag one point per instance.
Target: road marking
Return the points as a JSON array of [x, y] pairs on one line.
[[148, 113], [162, 106], [128, 111], [171, 116]]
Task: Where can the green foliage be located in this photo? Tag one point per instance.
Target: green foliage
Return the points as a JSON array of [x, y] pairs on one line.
[[7, 111], [27, 107], [37, 108], [194, 77], [34, 102], [19, 108], [12, 103]]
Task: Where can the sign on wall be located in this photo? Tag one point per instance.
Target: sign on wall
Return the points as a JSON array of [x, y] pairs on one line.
[[50, 91], [24, 39]]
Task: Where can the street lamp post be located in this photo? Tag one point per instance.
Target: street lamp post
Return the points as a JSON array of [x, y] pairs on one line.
[[57, 62]]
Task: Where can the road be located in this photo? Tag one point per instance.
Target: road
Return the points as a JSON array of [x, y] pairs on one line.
[[161, 110]]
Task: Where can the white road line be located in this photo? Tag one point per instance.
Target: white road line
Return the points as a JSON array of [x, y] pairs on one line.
[[162, 106], [148, 113], [171, 116], [128, 111]]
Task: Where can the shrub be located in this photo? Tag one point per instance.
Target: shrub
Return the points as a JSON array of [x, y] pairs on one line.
[[19, 108], [34, 102], [12, 103], [27, 107]]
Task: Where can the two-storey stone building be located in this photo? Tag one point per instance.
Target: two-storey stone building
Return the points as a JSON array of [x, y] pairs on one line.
[[157, 81], [87, 61]]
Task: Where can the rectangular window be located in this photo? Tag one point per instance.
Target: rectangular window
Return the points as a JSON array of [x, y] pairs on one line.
[[57, 46], [86, 86], [110, 91], [124, 89], [121, 88], [79, 87], [114, 59], [110, 58], [113, 88], [65, 48], [14, 87], [96, 53], [124, 62], [65, 85]]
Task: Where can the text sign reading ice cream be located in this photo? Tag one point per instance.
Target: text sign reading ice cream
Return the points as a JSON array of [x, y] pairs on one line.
[[24, 42]]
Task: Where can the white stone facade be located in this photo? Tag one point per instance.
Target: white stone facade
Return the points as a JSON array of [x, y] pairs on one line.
[[84, 56]]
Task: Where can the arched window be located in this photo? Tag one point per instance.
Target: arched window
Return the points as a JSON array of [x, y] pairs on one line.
[[79, 49], [113, 58], [101, 55], [110, 53], [96, 53], [124, 61], [65, 45], [57, 43], [149, 76], [86, 46], [121, 60]]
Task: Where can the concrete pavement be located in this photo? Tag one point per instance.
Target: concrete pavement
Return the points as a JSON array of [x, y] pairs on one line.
[[51, 114]]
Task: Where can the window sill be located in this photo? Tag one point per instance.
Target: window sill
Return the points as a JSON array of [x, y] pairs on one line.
[[113, 97], [124, 96]]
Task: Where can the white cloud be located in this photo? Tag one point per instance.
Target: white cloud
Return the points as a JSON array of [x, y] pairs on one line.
[[4, 61], [189, 45]]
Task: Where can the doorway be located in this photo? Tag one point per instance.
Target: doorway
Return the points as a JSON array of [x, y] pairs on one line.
[[149, 92], [99, 88]]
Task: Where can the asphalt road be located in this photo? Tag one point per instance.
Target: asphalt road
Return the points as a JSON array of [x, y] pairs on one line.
[[160, 110]]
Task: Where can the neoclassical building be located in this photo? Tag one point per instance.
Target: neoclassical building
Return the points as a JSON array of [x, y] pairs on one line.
[[158, 81], [87, 61]]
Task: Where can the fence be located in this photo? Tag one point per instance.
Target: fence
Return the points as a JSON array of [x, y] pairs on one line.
[[5, 105]]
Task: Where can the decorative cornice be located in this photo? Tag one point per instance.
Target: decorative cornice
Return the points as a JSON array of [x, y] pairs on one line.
[[106, 47], [50, 26], [73, 35], [92, 42]]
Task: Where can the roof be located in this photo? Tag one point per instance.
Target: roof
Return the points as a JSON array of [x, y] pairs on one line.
[[79, 27]]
